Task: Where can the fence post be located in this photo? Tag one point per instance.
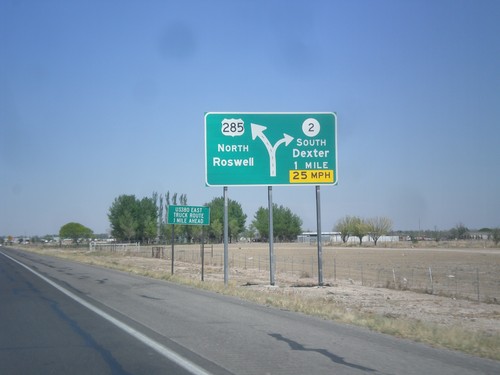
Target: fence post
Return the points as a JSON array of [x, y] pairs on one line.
[[312, 266], [432, 282], [477, 283], [334, 269]]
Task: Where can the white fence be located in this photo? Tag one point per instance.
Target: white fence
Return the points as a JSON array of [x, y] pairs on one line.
[[115, 247]]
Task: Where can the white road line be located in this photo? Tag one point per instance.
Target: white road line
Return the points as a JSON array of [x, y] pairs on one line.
[[164, 351]]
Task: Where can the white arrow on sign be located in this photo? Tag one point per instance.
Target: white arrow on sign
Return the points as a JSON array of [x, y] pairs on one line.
[[258, 131]]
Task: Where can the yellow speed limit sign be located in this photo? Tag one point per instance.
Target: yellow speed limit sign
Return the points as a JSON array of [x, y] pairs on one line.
[[311, 176]]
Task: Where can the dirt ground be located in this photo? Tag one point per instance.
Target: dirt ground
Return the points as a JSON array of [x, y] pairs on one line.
[[395, 304]]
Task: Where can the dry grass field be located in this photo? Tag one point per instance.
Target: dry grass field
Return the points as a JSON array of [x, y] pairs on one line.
[[464, 273], [385, 289]]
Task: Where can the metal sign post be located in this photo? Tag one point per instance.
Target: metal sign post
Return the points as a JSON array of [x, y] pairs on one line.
[[320, 237], [202, 253], [173, 240], [226, 250], [271, 235]]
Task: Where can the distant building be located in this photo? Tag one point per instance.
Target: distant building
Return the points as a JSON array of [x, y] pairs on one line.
[[336, 237], [312, 237]]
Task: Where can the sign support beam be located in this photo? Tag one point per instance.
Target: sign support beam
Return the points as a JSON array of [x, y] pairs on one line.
[[173, 240], [271, 235], [320, 237], [226, 250], [202, 254]]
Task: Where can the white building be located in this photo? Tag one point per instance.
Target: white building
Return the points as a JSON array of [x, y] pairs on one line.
[[336, 237]]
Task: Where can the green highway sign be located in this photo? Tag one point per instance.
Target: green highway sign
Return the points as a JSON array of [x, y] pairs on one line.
[[270, 148], [188, 215]]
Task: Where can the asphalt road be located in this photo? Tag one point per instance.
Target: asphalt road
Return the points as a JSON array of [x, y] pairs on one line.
[[73, 318]]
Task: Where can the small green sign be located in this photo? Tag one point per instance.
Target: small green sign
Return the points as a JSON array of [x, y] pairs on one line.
[[270, 149], [188, 215]]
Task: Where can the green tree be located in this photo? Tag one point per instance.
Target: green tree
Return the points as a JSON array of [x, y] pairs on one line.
[[236, 218], [133, 220], [359, 229], [147, 213], [261, 223], [378, 226], [75, 231], [352, 226], [158, 200], [234, 229], [196, 232], [216, 230], [250, 232], [286, 225], [459, 232], [123, 218], [127, 227]]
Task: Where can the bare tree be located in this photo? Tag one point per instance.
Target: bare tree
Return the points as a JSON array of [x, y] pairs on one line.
[[378, 226], [495, 235], [459, 232], [344, 226], [359, 228], [352, 226]]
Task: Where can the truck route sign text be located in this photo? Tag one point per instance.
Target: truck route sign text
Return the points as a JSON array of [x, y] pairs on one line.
[[188, 215]]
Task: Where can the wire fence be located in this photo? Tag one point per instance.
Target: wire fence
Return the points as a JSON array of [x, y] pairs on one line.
[[446, 275]]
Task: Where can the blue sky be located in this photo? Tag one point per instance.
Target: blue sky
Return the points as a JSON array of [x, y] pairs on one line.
[[103, 98]]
